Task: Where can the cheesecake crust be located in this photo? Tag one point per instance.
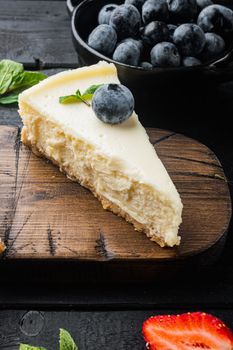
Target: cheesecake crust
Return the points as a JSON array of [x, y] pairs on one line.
[[106, 203], [50, 140]]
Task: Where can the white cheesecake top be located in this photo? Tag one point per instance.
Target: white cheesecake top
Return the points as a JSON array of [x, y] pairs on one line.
[[127, 142]]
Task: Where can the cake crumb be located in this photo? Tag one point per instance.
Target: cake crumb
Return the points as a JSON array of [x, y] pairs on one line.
[[2, 246]]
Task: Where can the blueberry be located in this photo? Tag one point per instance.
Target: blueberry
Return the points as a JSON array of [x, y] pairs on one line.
[[154, 33], [113, 103], [105, 13], [146, 65], [138, 43], [182, 11], [126, 20], [127, 53], [137, 3], [103, 39], [191, 61], [190, 39], [216, 18], [171, 28], [214, 46], [155, 10], [204, 3], [165, 55]]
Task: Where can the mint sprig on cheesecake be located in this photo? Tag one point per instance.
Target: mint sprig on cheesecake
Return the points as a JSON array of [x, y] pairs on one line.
[[80, 97], [112, 103]]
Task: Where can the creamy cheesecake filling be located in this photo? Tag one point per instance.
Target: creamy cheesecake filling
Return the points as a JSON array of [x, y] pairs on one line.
[[116, 162], [141, 204]]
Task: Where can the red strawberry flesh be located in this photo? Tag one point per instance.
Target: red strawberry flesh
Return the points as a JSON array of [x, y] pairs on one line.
[[196, 330]]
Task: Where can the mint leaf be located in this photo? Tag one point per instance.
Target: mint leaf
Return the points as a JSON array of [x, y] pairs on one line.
[[90, 91], [72, 98], [8, 99], [69, 99], [8, 71], [29, 347], [78, 94], [26, 79], [14, 78], [87, 95], [66, 341]]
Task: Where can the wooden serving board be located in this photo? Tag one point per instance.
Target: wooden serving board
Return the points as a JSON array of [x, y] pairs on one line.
[[45, 216]]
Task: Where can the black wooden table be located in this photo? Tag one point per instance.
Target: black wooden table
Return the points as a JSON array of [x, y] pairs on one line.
[[37, 33]]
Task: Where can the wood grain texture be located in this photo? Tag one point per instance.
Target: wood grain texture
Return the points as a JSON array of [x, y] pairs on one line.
[[2, 247], [46, 216], [39, 35], [93, 330]]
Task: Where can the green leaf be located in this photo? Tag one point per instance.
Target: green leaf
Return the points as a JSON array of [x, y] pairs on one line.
[[14, 78], [87, 96], [66, 341], [26, 79], [78, 97], [72, 98], [69, 99], [29, 347], [91, 90], [8, 71], [8, 99]]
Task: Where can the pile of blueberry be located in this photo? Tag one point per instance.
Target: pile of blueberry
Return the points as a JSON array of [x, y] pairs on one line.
[[162, 33]]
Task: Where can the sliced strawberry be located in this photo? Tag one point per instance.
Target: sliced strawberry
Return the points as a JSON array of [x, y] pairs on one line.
[[196, 330]]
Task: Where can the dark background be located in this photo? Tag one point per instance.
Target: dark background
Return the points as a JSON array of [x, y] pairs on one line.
[[38, 34]]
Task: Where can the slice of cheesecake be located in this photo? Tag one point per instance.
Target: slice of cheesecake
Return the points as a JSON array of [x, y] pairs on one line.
[[116, 162]]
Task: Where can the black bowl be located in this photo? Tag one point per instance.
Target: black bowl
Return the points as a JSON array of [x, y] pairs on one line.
[[71, 4], [149, 86]]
